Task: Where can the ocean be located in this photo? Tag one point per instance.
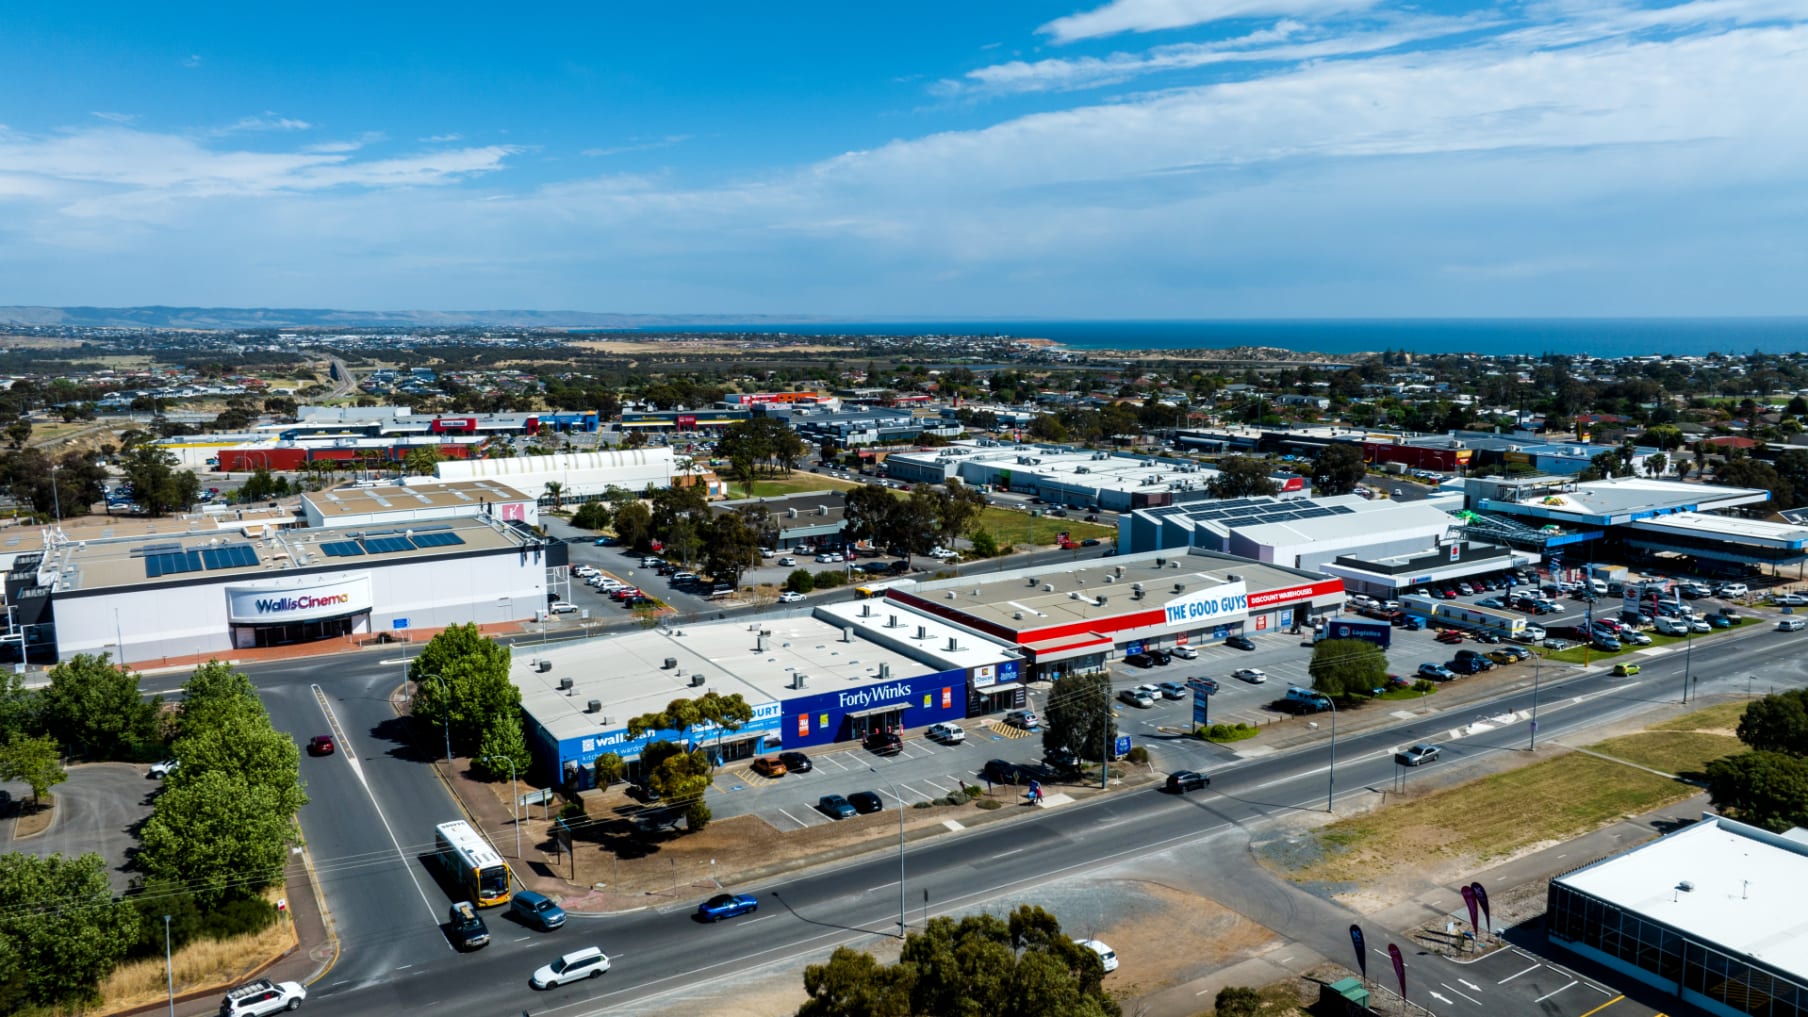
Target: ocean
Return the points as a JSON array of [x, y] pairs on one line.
[[1602, 337]]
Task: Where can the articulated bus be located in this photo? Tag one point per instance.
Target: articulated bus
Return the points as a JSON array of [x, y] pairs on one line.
[[477, 868], [1504, 624]]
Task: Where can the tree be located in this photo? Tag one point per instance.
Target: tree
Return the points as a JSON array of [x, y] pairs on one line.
[[592, 515], [853, 984], [1341, 668], [1743, 471], [59, 962], [19, 705], [18, 432], [634, 525], [92, 707], [1237, 1001], [36, 761], [158, 481], [986, 546], [472, 684], [219, 834], [421, 461], [869, 514], [1023, 967], [503, 739], [1655, 464], [1338, 469], [959, 509], [223, 727], [800, 581], [731, 548], [914, 523], [1047, 428], [609, 769], [1767, 789], [1777, 723], [555, 491], [1080, 717], [679, 775], [1242, 477]]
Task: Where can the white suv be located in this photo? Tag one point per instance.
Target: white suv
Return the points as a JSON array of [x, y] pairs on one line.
[[263, 996]]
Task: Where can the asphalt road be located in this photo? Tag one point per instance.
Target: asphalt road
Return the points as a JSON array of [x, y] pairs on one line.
[[96, 810], [388, 910]]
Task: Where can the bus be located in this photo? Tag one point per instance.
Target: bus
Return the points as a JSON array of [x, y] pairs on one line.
[[469, 859], [868, 590]]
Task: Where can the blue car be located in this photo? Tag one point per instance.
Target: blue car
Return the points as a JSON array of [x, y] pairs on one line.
[[727, 905]]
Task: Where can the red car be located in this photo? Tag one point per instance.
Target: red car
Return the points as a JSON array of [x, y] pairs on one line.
[[1450, 636], [320, 745]]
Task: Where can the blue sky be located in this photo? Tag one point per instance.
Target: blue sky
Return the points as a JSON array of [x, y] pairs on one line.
[[1111, 159]]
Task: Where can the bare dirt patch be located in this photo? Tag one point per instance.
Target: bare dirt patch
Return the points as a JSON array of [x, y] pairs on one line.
[[1172, 924], [34, 818]]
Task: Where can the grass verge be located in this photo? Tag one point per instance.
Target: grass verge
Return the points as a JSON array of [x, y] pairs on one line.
[[201, 963], [1222, 733], [1009, 526], [1721, 718], [1684, 753], [796, 483], [1493, 817]]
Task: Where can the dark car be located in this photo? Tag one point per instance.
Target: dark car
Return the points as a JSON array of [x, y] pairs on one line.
[[795, 762], [1140, 660], [884, 743], [1172, 690], [1000, 771], [835, 807], [1240, 643], [1063, 760], [1090, 541], [644, 793], [1182, 781], [537, 910], [1161, 657], [727, 905], [320, 745], [866, 801], [1469, 665], [467, 930]]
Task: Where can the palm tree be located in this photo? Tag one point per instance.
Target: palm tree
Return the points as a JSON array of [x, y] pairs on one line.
[[555, 491]]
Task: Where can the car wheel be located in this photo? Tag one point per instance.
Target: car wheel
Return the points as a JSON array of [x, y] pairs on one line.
[[598, 973], [293, 1003]]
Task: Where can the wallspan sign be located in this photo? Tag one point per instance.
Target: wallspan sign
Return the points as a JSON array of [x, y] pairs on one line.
[[1209, 606], [276, 604]]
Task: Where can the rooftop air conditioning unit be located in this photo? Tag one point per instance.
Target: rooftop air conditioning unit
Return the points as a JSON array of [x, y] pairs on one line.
[[891, 621], [564, 684], [1179, 587], [866, 610], [1232, 577], [1102, 600], [884, 670], [1161, 563], [697, 681], [670, 662], [1073, 595], [922, 632], [1016, 615], [799, 679], [1136, 587], [1048, 587], [594, 706], [543, 666], [1032, 580], [1136, 594]]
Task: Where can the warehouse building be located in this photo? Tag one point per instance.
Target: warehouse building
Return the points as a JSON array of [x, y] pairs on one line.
[[1302, 533], [1711, 914], [415, 502], [580, 475], [1075, 478]]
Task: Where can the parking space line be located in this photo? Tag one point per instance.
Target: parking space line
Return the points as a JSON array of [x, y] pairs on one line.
[[1553, 992], [800, 823], [836, 763], [1605, 1005], [1471, 999], [1516, 974], [933, 784]]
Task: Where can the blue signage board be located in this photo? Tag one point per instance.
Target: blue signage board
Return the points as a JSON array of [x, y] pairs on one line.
[[399, 623], [1202, 707], [1122, 748], [826, 717], [1379, 633], [1133, 646]]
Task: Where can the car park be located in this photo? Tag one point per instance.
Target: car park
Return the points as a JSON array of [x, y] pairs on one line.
[[1182, 781], [795, 762], [769, 766], [727, 905], [536, 909], [1631, 638], [1607, 644], [1417, 755], [1186, 653], [1001, 771], [1450, 636], [835, 807], [1252, 675], [1210, 685], [1240, 643], [1490, 602], [947, 734], [589, 962], [254, 999], [1502, 657], [1063, 760], [866, 802], [1516, 652], [1025, 719], [320, 745], [1136, 697], [1171, 690], [883, 743], [1161, 657]]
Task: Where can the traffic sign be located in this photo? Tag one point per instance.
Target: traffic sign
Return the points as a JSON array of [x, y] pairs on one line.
[[399, 623], [1123, 745]]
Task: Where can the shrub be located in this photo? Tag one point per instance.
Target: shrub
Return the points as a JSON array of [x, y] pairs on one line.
[[1228, 732], [1423, 686], [241, 917], [923, 805], [572, 810], [1138, 754], [985, 545], [989, 803], [800, 581], [696, 816], [973, 791], [830, 580]]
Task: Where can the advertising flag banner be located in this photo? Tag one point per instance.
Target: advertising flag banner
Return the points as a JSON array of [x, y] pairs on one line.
[[1362, 953], [1474, 919], [1481, 897], [1399, 967]]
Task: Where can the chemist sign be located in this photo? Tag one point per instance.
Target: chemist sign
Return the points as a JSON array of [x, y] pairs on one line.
[[1210, 605]]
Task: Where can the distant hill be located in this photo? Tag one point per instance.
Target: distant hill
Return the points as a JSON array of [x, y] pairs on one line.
[[212, 318]]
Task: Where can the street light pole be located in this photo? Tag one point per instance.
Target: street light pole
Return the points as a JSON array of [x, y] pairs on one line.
[[1331, 790], [1537, 669], [516, 790], [902, 926], [1688, 657], [56, 497], [169, 970]]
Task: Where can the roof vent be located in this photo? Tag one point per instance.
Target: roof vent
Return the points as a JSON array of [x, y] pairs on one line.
[[866, 610], [1161, 563], [799, 679], [1073, 595], [697, 681], [1686, 887], [543, 666], [884, 670], [953, 644], [1179, 587], [564, 684], [891, 621], [1032, 580], [670, 663], [1016, 615], [594, 706], [1232, 577], [922, 632]]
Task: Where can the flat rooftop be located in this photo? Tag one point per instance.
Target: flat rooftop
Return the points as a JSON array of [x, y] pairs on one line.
[[1749, 889], [1755, 531], [1624, 499], [125, 562], [1017, 601], [941, 644], [382, 498]]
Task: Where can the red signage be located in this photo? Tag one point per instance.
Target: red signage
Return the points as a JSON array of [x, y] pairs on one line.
[[1260, 599], [687, 421]]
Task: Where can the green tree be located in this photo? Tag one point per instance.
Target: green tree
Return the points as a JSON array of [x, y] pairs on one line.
[[914, 524], [421, 461], [1767, 789], [592, 515], [1242, 477], [36, 761], [61, 960], [1023, 967], [1080, 717], [18, 432], [158, 480], [1237, 1001], [92, 707], [986, 546], [1047, 427], [219, 834], [1338, 469], [503, 739], [19, 705], [853, 984], [959, 508], [800, 581], [555, 491], [732, 548], [472, 684], [609, 769], [1777, 723], [634, 525], [869, 514], [1341, 668], [679, 775], [1743, 471]]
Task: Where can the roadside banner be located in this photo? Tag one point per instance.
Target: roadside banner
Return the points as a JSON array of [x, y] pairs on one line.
[[1474, 919], [1399, 967], [1481, 897], [1362, 953]]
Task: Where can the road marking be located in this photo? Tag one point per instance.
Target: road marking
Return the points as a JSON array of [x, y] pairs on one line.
[[1472, 987], [761, 918], [933, 784], [1471, 999], [1607, 1004], [1553, 992], [1439, 998], [1516, 974]]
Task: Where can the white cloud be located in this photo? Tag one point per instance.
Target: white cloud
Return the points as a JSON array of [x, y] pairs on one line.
[[638, 146], [267, 122], [440, 139], [191, 60], [116, 118], [1121, 16]]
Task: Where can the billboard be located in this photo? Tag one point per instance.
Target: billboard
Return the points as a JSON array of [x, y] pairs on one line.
[[1379, 633], [1222, 602], [272, 605]]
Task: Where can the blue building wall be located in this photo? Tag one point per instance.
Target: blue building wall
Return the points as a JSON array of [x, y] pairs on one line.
[[823, 718], [552, 758]]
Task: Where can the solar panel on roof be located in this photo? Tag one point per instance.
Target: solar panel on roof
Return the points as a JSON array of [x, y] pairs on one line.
[[232, 556], [1341, 510], [387, 545], [342, 549], [437, 539], [171, 563]]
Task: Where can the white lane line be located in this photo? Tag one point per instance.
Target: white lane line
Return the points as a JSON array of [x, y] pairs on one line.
[[761, 918], [1553, 992], [933, 784], [1516, 974], [1471, 999], [801, 824]]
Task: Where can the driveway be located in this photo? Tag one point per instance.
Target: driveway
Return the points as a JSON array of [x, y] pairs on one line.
[[97, 809]]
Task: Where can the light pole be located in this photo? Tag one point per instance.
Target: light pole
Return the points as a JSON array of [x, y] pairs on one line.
[[1537, 668], [516, 790], [1688, 657], [169, 970], [56, 497], [448, 728], [1331, 789], [894, 793]]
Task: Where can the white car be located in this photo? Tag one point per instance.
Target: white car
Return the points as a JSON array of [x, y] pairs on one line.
[[589, 962], [561, 607], [1185, 653], [787, 561], [1793, 600], [827, 558], [163, 769], [1107, 956], [254, 999], [1252, 675], [1731, 590], [947, 734], [790, 597]]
